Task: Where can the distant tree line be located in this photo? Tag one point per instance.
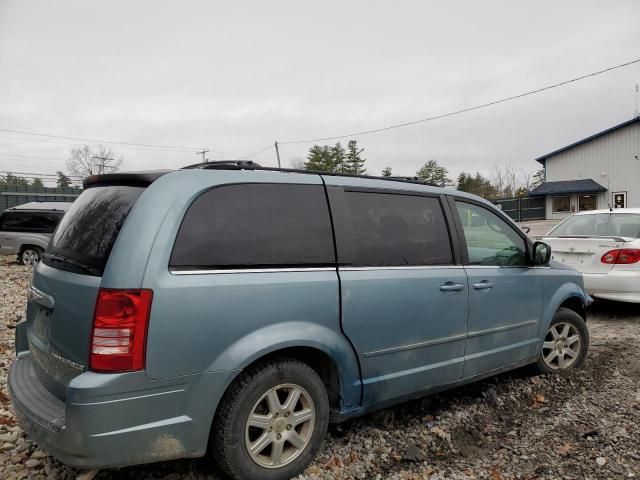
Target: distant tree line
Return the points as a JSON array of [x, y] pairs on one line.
[[16, 180], [503, 181]]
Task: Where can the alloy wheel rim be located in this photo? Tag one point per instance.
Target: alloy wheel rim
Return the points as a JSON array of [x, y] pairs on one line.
[[30, 257], [562, 346], [280, 426]]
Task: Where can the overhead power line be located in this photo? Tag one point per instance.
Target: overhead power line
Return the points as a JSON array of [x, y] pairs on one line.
[[93, 140], [256, 153], [464, 110], [36, 174], [31, 157], [58, 140]]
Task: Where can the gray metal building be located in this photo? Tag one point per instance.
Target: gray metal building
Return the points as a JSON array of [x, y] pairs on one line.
[[592, 173]]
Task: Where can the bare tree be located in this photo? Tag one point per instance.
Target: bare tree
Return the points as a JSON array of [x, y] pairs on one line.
[[527, 179], [505, 179], [85, 161], [297, 163]]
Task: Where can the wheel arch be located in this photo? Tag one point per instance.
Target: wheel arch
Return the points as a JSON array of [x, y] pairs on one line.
[[329, 353], [577, 305], [21, 246], [569, 295]]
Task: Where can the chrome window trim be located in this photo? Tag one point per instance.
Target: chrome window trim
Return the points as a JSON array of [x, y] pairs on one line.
[[250, 270], [403, 267], [479, 267]]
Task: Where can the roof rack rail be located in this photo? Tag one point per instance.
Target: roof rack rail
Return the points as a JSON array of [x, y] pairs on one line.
[[250, 165], [406, 179], [224, 165]]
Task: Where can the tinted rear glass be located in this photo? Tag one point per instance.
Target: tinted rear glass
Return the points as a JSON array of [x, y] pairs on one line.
[[600, 225], [256, 225], [83, 240], [29, 222], [395, 230]]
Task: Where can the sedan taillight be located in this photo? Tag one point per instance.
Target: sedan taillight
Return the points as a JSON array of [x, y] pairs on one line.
[[622, 256], [119, 333]]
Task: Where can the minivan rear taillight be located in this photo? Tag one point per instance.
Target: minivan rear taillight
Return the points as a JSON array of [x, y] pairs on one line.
[[119, 333], [623, 256]]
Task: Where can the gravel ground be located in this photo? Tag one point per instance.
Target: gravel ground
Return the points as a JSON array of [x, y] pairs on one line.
[[584, 424]]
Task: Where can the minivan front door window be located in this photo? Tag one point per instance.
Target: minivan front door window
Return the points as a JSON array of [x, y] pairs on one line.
[[490, 240]]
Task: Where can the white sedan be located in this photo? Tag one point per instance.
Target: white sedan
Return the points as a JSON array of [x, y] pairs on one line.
[[605, 246]]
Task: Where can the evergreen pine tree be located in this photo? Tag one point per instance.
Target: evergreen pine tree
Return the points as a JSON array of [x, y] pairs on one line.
[[354, 161]]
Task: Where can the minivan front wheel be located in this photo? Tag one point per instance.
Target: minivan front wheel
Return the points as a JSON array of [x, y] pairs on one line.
[[565, 344], [271, 422], [30, 256]]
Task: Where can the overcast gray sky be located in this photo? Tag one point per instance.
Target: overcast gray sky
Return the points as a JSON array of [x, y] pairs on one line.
[[235, 76]]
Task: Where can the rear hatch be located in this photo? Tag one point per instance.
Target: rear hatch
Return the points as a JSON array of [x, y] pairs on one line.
[[65, 285], [582, 240]]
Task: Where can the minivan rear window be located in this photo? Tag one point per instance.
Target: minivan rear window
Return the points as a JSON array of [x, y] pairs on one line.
[[85, 236], [256, 225]]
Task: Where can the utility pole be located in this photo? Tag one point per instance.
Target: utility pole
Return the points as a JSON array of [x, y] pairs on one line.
[[277, 153], [102, 166], [202, 152]]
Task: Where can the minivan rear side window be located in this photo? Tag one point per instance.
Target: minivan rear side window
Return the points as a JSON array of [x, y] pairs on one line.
[[84, 239], [398, 229], [256, 225]]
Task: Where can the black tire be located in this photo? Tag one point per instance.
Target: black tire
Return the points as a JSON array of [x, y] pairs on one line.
[[30, 255], [229, 428], [564, 316]]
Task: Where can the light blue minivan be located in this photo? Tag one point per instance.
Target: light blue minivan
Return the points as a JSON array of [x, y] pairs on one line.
[[233, 310]]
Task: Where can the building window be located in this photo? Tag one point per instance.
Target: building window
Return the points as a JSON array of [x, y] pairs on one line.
[[587, 202], [561, 204]]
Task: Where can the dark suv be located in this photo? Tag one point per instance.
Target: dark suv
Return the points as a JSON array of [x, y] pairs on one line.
[[25, 229]]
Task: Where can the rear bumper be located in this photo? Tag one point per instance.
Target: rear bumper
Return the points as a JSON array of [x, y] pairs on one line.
[[98, 426], [621, 285]]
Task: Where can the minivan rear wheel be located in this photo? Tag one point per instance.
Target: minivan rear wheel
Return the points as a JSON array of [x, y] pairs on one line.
[[271, 422], [565, 344], [30, 256]]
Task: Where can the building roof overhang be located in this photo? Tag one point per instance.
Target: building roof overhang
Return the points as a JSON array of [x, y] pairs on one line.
[[586, 185]]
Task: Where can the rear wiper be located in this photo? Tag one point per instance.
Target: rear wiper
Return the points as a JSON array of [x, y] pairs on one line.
[[68, 261]]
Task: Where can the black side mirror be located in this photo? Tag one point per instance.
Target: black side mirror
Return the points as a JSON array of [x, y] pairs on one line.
[[541, 253]]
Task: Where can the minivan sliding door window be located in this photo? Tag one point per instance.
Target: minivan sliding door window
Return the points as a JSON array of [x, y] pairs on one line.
[[398, 230], [256, 226]]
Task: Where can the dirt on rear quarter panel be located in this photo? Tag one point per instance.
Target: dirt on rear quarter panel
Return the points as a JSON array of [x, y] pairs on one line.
[[579, 425]]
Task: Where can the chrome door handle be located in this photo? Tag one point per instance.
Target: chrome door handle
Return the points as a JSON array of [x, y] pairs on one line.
[[451, 287], [483, 285]]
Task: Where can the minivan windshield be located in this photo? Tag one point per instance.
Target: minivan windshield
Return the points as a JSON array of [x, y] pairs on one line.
[[84, 238], [599, 225]]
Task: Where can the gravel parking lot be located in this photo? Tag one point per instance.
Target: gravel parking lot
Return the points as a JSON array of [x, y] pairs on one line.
[[584, 424]]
